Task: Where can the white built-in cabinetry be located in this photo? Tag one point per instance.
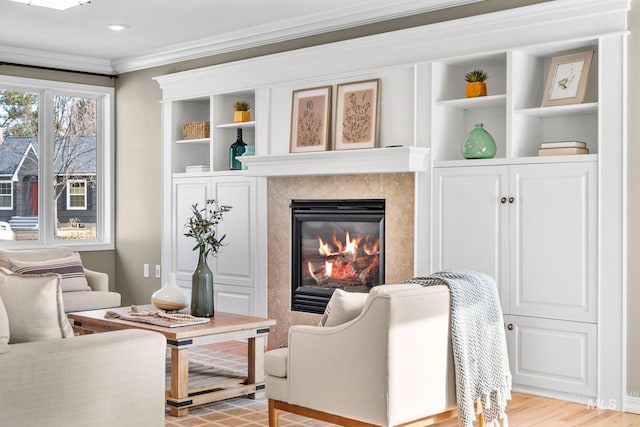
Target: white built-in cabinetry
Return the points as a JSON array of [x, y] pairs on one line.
[[533, 227], [550, 230], [235, 267], [530, 222]]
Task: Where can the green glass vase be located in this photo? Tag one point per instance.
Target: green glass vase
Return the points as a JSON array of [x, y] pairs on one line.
[[479, 144], [202, 288]]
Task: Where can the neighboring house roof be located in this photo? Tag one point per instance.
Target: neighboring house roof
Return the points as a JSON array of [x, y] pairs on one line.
[[12, 150], [81, 162]]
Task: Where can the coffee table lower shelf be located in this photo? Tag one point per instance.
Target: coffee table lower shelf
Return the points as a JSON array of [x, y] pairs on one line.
[[209, 384]]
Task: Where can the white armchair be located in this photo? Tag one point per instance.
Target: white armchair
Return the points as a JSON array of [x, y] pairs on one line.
[[390, 366]]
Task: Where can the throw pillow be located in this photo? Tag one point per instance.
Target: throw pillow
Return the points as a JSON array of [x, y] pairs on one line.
[[342, 307], [34, 307], [4, 329], [70, 268]]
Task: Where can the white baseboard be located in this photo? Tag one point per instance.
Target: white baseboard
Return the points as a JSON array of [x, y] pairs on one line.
[[632, 404]]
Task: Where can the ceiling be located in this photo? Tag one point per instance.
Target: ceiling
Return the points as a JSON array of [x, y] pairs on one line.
[[166, 31]]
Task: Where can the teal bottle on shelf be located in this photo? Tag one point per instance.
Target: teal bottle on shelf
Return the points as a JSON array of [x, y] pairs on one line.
[[236, 150], [479, 144]]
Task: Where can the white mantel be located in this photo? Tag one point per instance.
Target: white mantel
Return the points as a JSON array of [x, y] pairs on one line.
[[374, 160]]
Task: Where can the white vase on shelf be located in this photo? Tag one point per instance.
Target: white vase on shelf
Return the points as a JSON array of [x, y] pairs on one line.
[[170, 297]]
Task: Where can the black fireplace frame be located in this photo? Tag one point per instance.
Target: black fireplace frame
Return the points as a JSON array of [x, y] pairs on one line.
[[314, 300]]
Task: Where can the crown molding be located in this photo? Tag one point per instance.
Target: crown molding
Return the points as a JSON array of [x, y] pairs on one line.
[[61, 61]]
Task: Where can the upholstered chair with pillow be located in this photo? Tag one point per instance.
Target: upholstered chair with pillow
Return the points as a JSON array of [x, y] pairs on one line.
[[82, 289], [384, 360], [52, 378]]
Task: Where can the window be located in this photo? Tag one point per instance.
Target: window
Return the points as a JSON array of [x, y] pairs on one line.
[[57, 148], [6, 195], [77, 195]]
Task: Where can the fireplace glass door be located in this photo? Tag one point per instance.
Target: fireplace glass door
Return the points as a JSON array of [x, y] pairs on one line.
[[337, 244]]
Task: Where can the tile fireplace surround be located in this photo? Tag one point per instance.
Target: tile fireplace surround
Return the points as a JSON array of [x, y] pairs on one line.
[[396, 188]]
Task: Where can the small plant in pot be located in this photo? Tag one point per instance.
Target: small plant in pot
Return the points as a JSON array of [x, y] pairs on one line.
[[242, 113], [476, 85]]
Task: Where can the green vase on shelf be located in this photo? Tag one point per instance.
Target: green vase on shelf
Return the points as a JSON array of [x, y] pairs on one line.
[[479, 144], [236, 150], [202, 288]]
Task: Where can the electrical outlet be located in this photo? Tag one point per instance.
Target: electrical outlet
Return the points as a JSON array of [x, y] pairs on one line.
[[157, 271], [145, 270]]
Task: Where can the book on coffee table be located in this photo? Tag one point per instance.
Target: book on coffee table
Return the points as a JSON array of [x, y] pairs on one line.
[[160, 321]]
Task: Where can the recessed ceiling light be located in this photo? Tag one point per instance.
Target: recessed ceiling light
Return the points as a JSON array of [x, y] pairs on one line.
[[54, 4], [118, 27]]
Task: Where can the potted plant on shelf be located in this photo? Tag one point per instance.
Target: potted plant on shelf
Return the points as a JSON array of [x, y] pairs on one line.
[[201, 226], [476, 85], [242, 113]]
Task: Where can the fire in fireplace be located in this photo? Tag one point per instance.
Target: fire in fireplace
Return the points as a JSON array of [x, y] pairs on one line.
[[335, 244]]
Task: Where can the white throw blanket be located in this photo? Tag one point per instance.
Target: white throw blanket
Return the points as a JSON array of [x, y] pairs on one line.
[[479, 345]]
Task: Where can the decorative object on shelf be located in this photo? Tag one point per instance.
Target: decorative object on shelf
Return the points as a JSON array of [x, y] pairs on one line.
[[236, 150], [567, 79], [310, 119], [479, 144], [242, 113], [196, 130], [201, 226], [357, 115], [476, 85], [170, 297]]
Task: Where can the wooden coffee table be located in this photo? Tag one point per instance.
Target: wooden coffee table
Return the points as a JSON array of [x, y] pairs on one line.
[[222, 327]]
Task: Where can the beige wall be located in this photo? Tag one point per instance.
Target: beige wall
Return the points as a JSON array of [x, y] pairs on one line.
[[138, 160]]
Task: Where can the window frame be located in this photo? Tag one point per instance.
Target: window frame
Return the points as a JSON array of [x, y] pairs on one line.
[[10, 182], [105, 160], [69, 195]]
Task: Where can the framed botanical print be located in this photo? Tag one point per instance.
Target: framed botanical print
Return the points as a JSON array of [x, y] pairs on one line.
[[357, 113], [310, 119], [567, 79]]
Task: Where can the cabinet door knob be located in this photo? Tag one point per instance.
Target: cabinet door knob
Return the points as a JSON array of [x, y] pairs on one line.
[[510, 326], [503, 200], [511, 199]]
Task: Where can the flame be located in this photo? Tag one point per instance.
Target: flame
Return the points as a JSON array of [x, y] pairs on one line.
[[341, 254], [328, 268]]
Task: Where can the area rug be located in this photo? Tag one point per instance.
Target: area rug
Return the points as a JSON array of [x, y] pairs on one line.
[[236, 412]]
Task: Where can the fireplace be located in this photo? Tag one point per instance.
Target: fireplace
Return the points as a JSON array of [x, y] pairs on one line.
[[336, 244]]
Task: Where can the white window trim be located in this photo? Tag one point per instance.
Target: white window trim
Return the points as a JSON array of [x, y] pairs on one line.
[[10, 182], [84, 204], [105, 160]]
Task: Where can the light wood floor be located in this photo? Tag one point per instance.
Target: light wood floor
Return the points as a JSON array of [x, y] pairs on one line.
[[525, 410]]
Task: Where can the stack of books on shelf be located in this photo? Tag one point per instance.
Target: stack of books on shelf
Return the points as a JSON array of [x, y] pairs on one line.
[[562, 148], [197, 168]]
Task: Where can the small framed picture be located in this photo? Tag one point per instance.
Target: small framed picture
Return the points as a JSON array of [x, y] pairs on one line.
[[357, 114], [310, 119], [567, 80]]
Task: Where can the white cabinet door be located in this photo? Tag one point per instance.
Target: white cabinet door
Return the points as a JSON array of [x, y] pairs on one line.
[[235, 265], [470, 227], [553, 241], [235, 262], [186, 192], [553, 354]]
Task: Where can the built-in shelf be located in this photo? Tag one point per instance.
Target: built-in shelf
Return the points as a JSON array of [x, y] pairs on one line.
[[375, 160], [497, 161], [193, 141], [475, 103], [243, 125], [560, 110]]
